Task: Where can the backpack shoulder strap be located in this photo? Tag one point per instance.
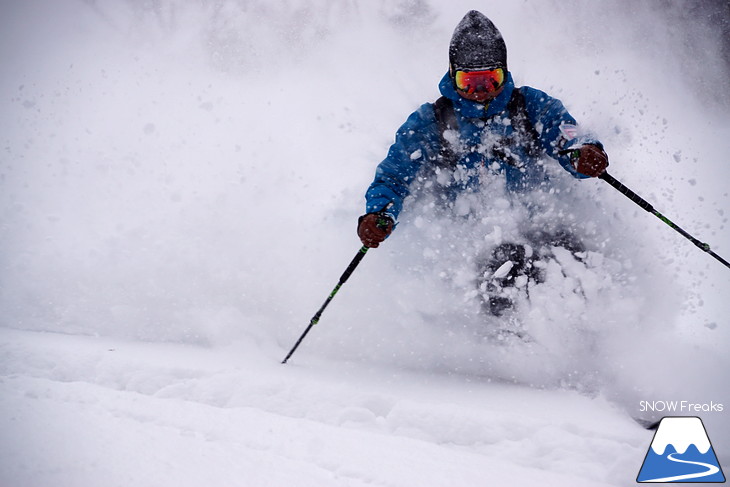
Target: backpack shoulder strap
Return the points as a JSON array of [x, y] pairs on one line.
[[517, 109], [443, 109], [445, 116]]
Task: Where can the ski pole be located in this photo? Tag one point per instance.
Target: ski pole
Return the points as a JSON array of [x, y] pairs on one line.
[[315, 319], [646, 206]]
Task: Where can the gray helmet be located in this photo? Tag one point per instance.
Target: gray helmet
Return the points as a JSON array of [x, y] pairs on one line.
[[476, 44]]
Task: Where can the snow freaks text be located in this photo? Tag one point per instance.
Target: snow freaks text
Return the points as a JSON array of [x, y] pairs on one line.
[[680, 407]]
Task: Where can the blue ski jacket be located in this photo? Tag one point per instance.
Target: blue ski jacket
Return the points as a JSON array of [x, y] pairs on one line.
[[481, 128]]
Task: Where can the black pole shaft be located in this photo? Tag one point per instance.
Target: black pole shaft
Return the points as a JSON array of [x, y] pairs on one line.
[[646, 206], [315, 319]]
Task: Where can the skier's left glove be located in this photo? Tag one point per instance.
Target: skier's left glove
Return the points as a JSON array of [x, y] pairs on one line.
[[373, 228], [590, 160]]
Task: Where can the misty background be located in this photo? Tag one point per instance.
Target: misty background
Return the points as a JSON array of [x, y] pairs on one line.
[[192, 172]]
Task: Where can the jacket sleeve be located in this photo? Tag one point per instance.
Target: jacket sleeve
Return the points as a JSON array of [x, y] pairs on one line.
[[416, 141], [556, 127]]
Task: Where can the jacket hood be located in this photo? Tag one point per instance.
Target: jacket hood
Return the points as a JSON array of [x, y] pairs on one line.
[[474, 109]]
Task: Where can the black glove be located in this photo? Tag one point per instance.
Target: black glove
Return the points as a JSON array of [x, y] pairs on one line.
[[373, 228], [589, 160]]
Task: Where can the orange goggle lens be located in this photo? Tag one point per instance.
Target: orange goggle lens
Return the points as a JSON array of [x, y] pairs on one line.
[[479, 81]]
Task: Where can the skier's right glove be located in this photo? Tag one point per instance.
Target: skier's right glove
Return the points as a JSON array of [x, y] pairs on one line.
[[373, 228]]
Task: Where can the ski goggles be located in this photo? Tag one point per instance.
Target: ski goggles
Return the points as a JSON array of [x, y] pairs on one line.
[[488, 80]]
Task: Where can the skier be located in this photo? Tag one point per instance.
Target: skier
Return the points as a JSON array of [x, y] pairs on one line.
[[481, 121]]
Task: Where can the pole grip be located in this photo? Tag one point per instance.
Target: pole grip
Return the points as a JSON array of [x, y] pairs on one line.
[[626, 192], [351, 268]]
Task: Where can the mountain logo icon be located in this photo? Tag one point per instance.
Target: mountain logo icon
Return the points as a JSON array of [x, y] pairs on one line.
[[681, 452]]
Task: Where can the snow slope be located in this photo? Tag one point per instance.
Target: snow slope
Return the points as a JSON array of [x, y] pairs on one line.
[[179, 186], [81, 410]]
